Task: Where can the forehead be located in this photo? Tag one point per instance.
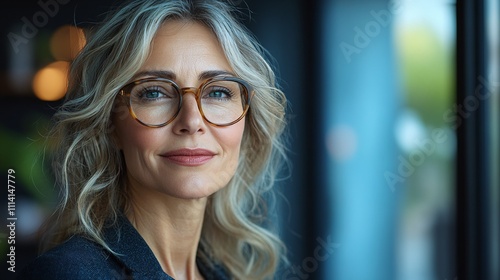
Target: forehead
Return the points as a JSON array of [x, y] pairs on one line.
[[186, 48]]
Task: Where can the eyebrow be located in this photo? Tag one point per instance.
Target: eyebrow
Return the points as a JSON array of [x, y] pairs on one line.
[[172, 76]]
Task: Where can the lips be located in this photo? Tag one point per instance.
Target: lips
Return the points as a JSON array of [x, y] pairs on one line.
[[189, 157]]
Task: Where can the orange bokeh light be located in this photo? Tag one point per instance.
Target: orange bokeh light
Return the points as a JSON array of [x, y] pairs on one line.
[[66, 42], [51, 82]]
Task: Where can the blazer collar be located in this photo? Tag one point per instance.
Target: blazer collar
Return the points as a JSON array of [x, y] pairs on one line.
[[133, 251]]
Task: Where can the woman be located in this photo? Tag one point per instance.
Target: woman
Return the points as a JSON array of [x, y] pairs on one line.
[[168, 140]]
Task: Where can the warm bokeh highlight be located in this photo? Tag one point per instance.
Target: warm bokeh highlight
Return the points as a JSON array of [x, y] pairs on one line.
[[51, 82], [66, 42]]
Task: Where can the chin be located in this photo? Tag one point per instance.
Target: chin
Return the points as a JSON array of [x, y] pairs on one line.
[[193, 187], [193, 192]]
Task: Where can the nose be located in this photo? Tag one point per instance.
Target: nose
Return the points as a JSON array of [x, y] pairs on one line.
[[189, 120]]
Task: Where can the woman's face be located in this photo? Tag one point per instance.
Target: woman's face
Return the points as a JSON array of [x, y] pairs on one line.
[[187, 158]]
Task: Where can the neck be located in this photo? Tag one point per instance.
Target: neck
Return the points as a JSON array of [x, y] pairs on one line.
[[171, 227]]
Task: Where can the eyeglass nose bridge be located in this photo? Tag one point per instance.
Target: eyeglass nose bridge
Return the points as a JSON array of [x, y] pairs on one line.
[[193, 90], [196, 91]]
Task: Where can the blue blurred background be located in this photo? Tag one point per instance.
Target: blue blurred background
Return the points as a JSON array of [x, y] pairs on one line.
[[376, 116]]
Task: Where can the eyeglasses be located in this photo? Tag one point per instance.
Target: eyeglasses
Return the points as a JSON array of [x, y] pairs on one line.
[[155, 102]]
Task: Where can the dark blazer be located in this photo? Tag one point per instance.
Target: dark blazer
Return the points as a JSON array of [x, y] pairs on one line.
[[80, 258]]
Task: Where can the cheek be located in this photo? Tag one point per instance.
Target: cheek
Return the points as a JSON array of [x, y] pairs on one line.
[[230, 139], [134, 138]]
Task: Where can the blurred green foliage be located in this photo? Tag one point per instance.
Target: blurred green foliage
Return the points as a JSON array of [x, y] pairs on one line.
[[427, 70], [25, 152]]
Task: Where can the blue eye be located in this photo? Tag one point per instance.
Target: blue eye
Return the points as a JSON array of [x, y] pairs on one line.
[[218, 94], [152, 94]]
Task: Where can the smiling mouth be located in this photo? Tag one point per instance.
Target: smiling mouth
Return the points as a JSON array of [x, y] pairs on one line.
[[189, 157]]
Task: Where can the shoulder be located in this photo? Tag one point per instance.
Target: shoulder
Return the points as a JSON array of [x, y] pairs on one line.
[[77, 258]]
